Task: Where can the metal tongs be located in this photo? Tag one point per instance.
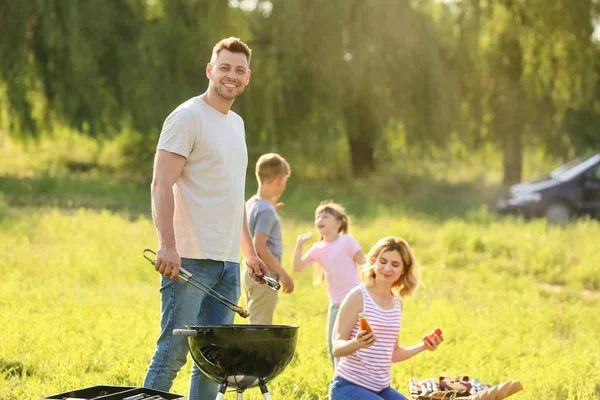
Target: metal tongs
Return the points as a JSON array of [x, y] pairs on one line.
[[272, 283], [187, 277]]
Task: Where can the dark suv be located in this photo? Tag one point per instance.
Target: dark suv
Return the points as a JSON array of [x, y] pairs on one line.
[[570, 190]]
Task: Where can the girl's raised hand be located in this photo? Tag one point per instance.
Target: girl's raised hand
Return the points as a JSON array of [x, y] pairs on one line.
[[364, 339], [304, 237]]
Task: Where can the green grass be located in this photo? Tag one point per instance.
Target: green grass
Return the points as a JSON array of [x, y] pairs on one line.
[[428, 198], [79, 306], [67, 169], [78, 190]]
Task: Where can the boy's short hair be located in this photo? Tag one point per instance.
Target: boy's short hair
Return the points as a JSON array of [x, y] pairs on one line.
[[234, 45], [271, 166]]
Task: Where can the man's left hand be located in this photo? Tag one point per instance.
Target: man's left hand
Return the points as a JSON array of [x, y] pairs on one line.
[[257, 268]]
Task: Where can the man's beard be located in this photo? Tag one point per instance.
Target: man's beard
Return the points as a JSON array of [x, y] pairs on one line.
[[219, 91]]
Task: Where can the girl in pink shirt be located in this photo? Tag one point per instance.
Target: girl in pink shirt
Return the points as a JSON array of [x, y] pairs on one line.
[[335, 258], [366, 357]]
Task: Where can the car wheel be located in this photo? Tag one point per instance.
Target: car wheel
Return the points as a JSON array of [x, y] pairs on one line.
[[558, 213]]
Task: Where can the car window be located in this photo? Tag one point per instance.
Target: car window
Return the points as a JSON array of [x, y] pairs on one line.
[[565, 167], [594, 173], [575, 167]]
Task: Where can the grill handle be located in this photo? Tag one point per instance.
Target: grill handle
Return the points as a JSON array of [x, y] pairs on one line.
[[185, 332]]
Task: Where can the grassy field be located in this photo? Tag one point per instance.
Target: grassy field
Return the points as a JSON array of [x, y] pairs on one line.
[[79, 306]]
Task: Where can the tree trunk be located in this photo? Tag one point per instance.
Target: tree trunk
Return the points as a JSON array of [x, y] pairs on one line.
[[362, 131], [361, 156], [511, 102], [512, 158]]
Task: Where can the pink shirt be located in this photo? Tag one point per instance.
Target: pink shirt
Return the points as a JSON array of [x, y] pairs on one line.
[[370, 367], [337, 260]]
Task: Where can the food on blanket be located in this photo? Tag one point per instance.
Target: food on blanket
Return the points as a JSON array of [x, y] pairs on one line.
[[443, 388], [459, 385]]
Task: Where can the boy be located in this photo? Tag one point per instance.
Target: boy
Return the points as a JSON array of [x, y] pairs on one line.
[[272, 172]]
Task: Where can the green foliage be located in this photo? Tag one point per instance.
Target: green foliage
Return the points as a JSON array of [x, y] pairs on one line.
[[3, 207], [349, 85], [101, 65], [333, 82], [527, 73]]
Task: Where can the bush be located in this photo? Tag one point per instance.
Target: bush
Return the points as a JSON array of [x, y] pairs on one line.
[[3, 207]]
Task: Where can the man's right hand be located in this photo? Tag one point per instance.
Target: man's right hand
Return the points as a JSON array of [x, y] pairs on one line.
[[287, 282], [168, 262]]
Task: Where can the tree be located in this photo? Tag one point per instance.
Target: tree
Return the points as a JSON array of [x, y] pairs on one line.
[[101, 65], [533, 65], [347, 67]]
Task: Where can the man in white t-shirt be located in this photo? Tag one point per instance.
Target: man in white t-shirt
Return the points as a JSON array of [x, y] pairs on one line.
[[199, 214]]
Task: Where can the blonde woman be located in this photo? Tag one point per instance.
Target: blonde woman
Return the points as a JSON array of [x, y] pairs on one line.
[[366, 357]]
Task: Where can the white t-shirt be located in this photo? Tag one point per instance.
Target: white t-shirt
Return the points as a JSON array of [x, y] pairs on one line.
[[209, 194]]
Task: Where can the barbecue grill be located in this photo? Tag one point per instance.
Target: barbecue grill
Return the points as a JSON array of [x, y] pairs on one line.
[[241, 356], [237, 356]]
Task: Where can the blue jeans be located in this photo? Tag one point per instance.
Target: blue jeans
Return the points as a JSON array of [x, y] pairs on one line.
[[331, 315], [181, 305], [341, 389]]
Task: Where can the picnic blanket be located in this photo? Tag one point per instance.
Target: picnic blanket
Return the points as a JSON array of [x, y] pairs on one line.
[[461, 387]]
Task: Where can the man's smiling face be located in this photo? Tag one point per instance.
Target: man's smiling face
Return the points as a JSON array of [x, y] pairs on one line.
[[229, 74]]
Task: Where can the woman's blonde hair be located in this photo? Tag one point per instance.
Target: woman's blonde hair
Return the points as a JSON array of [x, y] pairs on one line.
[[410, 279], [339, 213]]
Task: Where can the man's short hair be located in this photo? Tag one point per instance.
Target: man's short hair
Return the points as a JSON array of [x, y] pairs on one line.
[[234, 45], [271, 166]]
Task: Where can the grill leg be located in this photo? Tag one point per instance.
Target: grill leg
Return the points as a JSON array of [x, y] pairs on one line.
[[239, 396], [222, 390], [264, 391]]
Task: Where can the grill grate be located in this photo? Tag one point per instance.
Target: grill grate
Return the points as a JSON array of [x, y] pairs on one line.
[[102, 392]]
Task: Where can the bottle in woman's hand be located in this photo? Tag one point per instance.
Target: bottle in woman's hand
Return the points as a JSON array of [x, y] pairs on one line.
[[364, 324], [365, 336], [430, 337]]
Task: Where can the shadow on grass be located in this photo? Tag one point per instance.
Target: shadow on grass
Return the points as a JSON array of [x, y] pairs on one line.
[[403, 196], [414, 197], [14, 368], [75, 191]]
